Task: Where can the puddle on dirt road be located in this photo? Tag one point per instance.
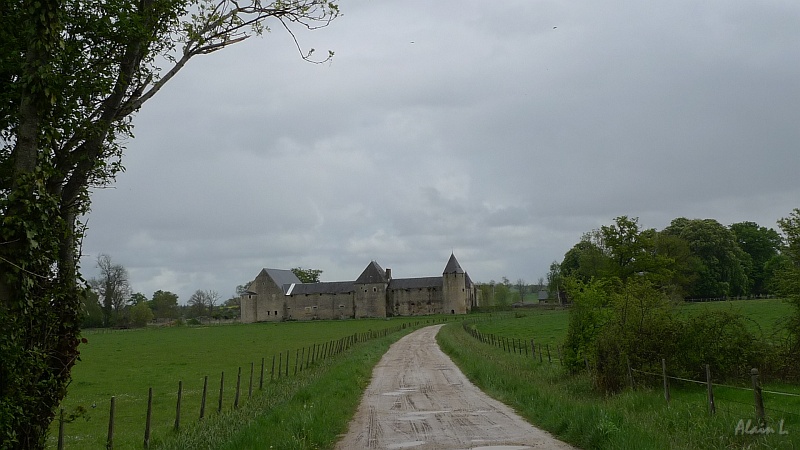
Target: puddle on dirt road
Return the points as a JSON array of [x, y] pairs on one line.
[[401, 391]]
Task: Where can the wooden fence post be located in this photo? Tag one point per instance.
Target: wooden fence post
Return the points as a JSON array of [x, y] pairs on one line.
[[250, 389], [280, 364], [221, 390], [666, 380], [261, 378], [149, 416], [272, 372], [296, 357], [178, 406], [712, 408], [759, 399], [238, 384], [203, 400], [533, 349], [540, 352], [110, 439], [548, 354], [287, 363]]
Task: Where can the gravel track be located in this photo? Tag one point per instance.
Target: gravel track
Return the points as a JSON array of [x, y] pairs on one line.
[[418, 399]]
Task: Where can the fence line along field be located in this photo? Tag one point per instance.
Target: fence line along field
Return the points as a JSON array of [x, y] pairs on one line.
[[549, 326], [493, 353], [126, 364]]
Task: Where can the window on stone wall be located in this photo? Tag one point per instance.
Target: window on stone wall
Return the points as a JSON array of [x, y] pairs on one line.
[[374, 289]]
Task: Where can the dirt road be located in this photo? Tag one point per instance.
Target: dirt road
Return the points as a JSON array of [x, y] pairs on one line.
[[418, 399]]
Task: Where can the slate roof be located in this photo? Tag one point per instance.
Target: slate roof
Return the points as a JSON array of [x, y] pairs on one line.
[[282, 277], [415, 283], [453, 266], [374, 273], [336, 287]]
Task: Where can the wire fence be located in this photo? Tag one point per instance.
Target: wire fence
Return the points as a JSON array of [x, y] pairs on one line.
[[531, 349], [274, 369]]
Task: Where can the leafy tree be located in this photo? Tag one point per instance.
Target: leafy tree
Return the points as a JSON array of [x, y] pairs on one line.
[[585, 260], [113, 288], [307, 275], [141, 314], [555, 282], [242, 288], [788, 282], [92, 311], [761, 244], [502, 296], [164, 305], [137, 298], [73, 73], [622, 242], [722, 268]]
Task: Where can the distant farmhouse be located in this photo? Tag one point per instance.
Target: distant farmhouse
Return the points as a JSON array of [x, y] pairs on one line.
[[277, 295]]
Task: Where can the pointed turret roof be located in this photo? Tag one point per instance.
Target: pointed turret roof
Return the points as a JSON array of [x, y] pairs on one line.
[[374, 273], [453, 266]]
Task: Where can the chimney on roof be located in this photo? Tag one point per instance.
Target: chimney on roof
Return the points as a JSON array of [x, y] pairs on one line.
[[388, 274]]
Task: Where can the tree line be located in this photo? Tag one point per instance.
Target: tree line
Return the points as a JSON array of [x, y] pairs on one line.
[[625, 282], [109, 301], [691, 258]]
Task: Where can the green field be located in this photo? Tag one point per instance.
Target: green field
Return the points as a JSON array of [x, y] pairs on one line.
[[307, 410], [124, 364], [570, 408], [549, 325]]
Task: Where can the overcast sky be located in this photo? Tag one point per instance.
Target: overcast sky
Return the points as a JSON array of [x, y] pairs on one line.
[[501, 131]]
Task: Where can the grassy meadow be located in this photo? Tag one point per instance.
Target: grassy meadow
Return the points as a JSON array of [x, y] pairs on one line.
[[310, 409], [125, 363], [570, 408]]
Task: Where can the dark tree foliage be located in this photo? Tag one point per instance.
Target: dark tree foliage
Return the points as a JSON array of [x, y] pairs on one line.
[[761, 245], [307, 275], [72, 74]]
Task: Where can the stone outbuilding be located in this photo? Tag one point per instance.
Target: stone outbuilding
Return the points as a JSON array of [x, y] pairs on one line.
[[277, 295]]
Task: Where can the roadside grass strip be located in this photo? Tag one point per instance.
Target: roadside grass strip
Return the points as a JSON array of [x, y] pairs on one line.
[[571, 409], [309, 411]]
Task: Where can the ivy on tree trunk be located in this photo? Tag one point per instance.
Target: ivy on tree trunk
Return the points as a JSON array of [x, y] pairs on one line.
[[72, 74]]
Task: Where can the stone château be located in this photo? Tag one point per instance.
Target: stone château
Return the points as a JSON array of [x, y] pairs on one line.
[[277, 295]]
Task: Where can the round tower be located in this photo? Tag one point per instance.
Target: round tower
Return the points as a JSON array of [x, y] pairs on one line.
[[454, 288]]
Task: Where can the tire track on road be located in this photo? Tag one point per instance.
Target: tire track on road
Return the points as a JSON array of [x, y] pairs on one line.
[[418, 399]]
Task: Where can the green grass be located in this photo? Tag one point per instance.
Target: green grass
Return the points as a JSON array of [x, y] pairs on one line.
[[549, 325], [124, 364], [544, 326], [766, 316], [571, 409], [304, 412]]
